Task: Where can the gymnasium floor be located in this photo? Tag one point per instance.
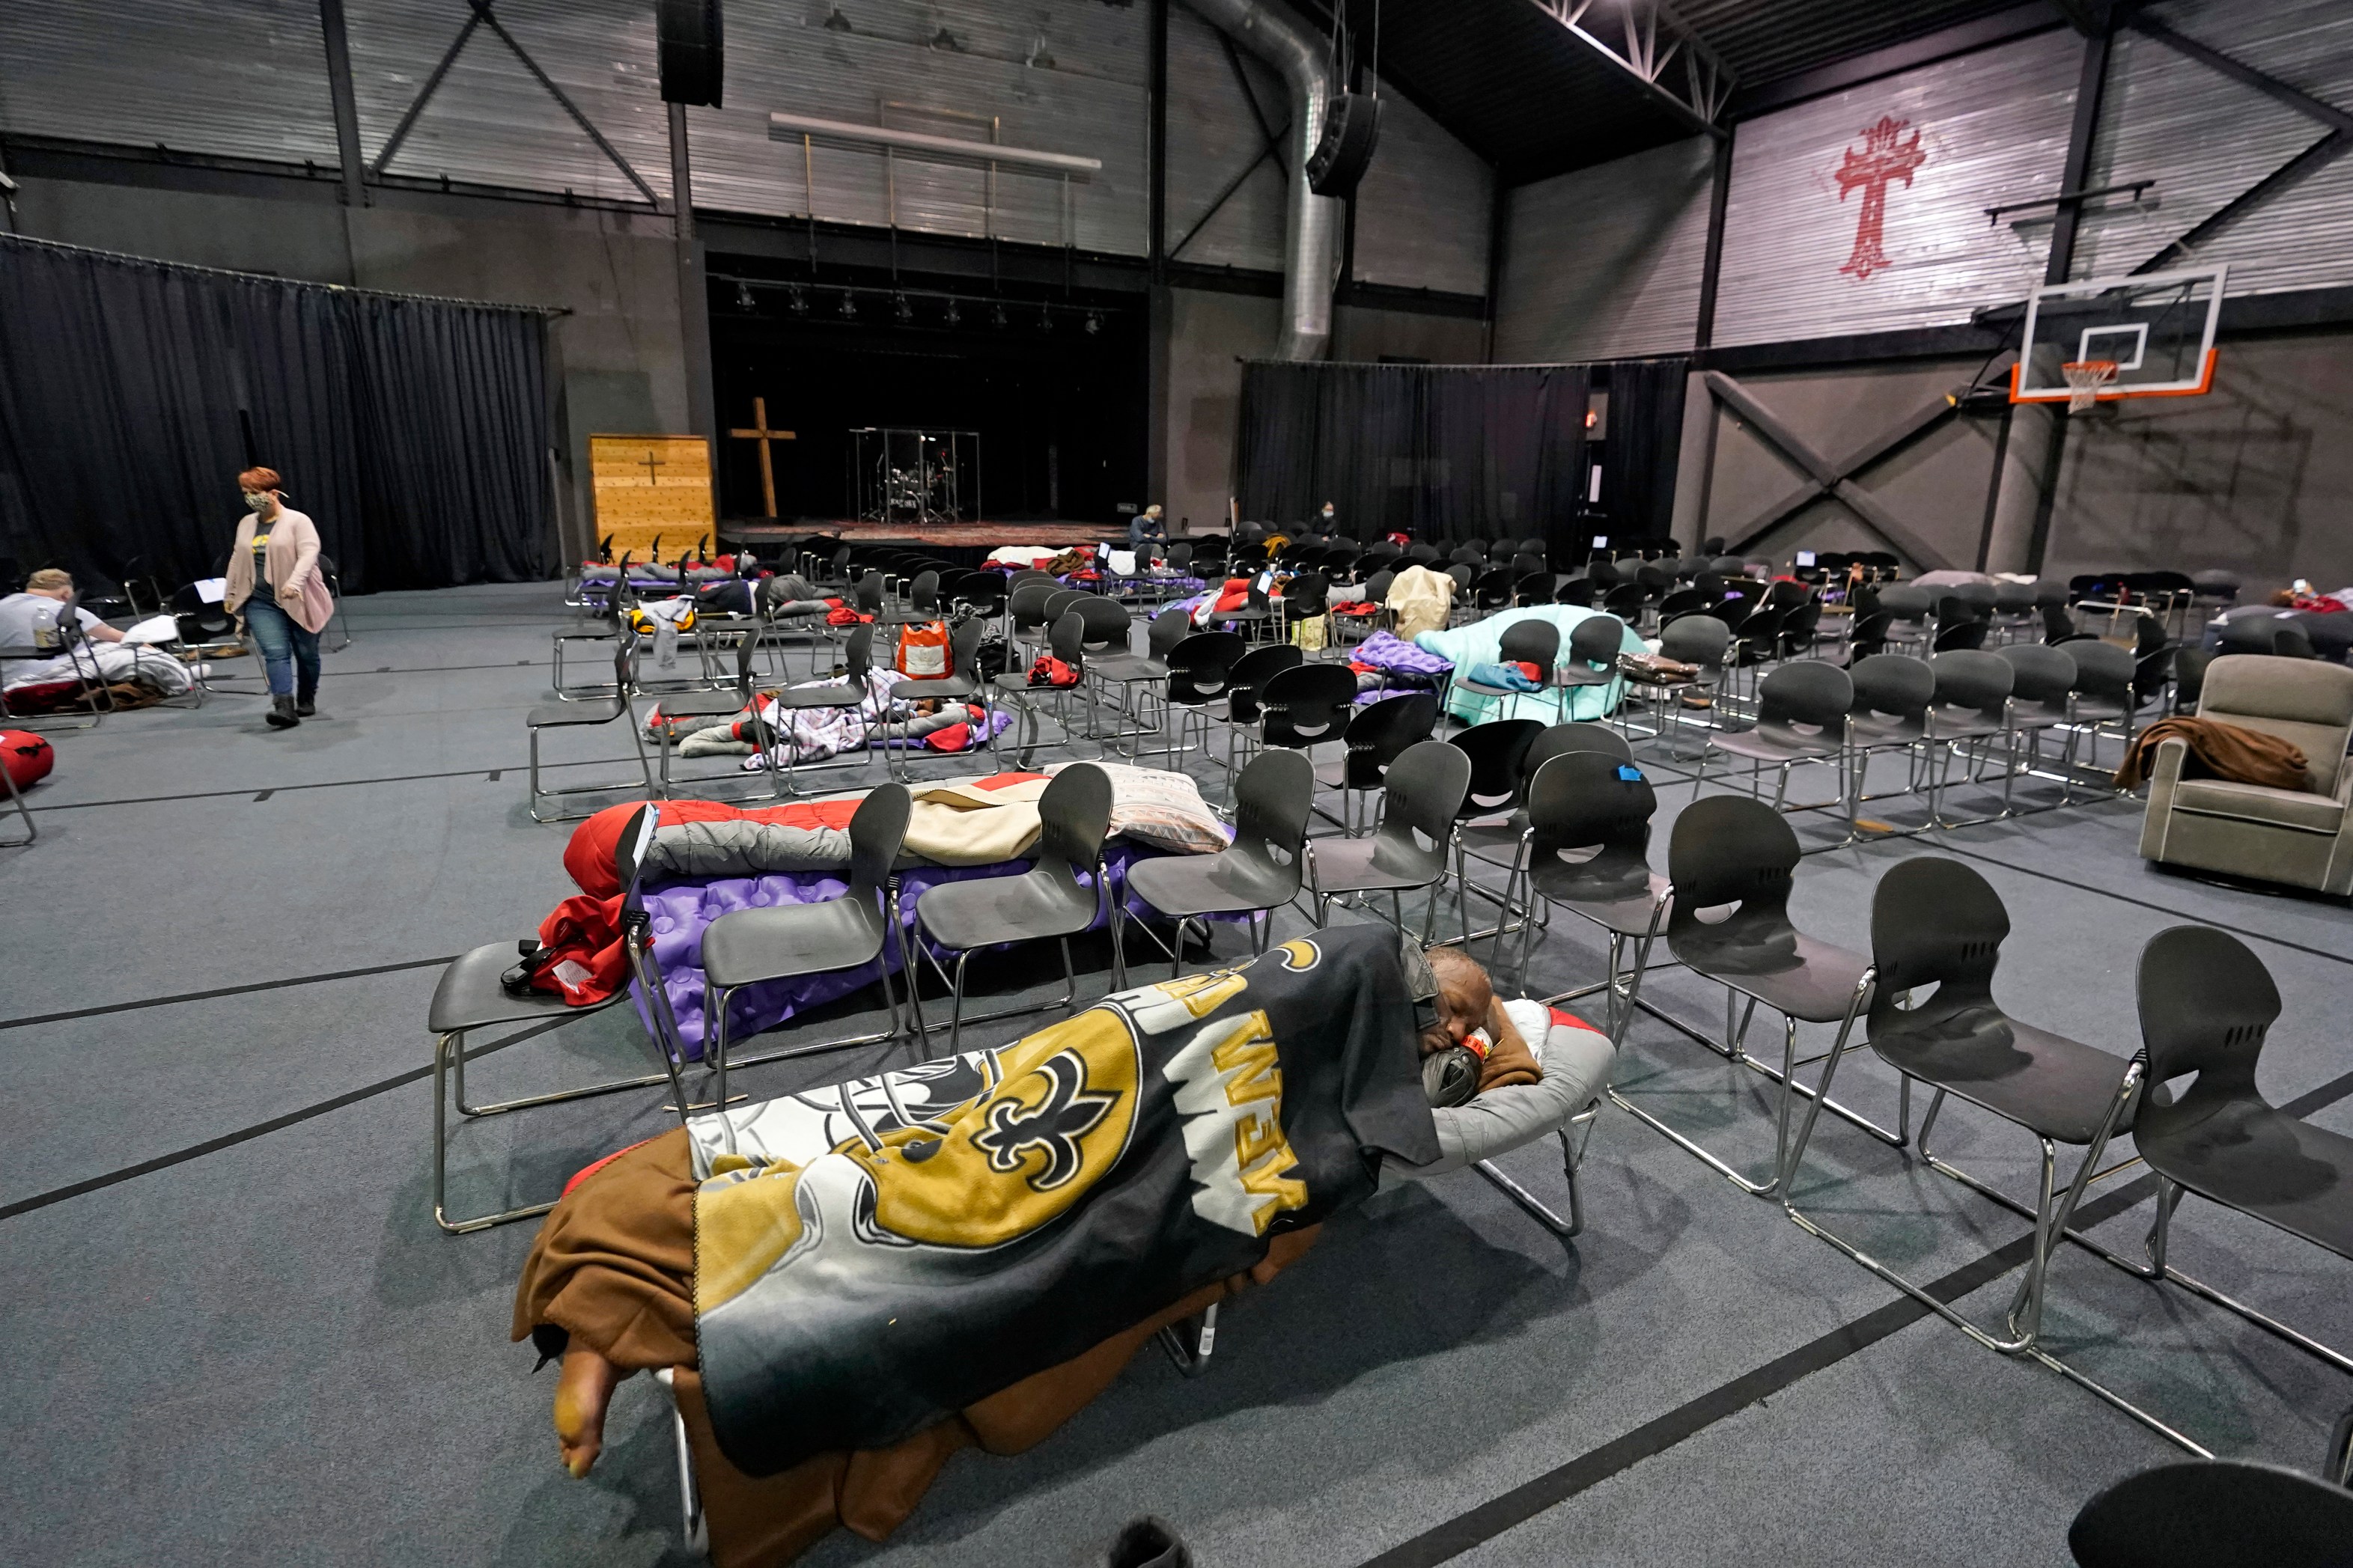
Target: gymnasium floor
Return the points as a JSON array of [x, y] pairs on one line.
[[234, 1335]]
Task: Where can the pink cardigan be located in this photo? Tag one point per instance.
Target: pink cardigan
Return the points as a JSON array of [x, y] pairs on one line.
[[293, 555]]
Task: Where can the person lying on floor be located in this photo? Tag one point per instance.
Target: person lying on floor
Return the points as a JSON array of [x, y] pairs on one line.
[[851, 1283]]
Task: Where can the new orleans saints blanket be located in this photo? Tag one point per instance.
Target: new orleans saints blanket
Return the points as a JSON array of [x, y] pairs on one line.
[[872, 1257]]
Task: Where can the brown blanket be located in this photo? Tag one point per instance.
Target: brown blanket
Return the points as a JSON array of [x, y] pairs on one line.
[[615, 1264], [2218, 751]]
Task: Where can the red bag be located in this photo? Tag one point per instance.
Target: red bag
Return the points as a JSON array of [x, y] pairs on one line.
[[924, 652], [26, 757], [1051, 671]]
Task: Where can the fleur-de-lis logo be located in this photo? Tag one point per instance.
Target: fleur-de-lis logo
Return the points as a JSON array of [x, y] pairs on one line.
[[1052, 1128]]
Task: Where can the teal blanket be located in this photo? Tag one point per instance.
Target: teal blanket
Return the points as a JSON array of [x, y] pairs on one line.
[[1481, 642]]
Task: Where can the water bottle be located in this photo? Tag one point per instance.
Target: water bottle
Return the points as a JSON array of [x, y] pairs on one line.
[[45, 629]]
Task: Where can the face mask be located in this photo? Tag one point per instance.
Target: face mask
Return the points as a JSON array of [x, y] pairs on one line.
[[256, 501]]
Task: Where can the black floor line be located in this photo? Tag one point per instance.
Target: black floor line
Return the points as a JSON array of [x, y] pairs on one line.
[[28, 1023], [258, 1130], [1525, 1502], [491, 774], [1557, 1485], [2147, 904]]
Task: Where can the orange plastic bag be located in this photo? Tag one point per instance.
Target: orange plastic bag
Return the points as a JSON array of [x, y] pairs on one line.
[[923, 651]]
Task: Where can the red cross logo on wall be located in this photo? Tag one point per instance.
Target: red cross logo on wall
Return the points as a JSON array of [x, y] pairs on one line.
[[1883, 158]]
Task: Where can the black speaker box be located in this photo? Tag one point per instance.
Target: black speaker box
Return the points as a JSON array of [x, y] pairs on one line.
[[1352, 123], [692, 60]]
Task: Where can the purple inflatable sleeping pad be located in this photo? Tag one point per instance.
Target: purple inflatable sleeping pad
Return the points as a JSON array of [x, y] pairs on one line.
[[680, 912]]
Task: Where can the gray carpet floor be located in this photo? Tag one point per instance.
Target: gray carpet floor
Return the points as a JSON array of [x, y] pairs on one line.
[[232, 1333]]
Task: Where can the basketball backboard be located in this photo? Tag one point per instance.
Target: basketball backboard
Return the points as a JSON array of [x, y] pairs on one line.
[[2156, 330]]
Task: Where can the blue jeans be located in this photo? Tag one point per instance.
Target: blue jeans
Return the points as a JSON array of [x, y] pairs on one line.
[[285, 647]]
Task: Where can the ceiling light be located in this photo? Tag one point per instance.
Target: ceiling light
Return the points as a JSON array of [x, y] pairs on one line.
[[953, 317], [900, 308], [848, 305], [743, 300], [799, 301]]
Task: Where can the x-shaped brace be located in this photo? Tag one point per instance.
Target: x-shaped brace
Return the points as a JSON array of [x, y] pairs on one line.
[[1834, 478]]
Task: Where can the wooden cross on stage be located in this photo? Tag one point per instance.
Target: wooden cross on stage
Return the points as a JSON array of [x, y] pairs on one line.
[[763, 434]]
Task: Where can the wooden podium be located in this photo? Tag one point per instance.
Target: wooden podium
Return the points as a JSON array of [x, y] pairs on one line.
[[649, 487]]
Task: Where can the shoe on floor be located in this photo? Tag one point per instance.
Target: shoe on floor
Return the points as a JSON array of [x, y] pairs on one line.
[[305, 706], [282, 714]]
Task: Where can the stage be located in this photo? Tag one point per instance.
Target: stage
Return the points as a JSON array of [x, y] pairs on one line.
[[981, 536]]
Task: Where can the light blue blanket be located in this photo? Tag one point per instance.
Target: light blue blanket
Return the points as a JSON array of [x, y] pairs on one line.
[[1481, 642]]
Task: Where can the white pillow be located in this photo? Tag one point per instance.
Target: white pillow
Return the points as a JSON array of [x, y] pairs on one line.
[[1163, 809]]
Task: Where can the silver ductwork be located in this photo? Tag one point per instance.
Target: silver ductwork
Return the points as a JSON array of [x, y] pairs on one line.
[[1311, 243]]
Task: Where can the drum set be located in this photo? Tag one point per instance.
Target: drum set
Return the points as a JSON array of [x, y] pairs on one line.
[[916, 476]]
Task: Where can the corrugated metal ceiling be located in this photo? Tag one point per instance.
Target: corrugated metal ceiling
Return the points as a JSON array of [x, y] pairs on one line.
[[1534, 99]]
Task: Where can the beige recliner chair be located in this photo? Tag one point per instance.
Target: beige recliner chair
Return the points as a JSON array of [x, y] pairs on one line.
[[2250, 830]]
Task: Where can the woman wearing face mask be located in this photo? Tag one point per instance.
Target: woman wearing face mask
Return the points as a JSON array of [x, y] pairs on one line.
[[274, 584]]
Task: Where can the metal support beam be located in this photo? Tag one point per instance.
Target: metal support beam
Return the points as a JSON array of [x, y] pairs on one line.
[[399, 136], [1227, 194], [2303, 103], [2091, 87], [1652, 43], [1258, 112], [346, 104], [1711, 265], [693, 291], [482, 9], [2328, 150], [1829, 477]]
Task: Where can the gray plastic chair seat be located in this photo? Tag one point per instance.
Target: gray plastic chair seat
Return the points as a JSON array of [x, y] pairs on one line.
[[704, 704], [1791, 973], [945, 690], [2262, 1162], [1224, 883], [752, 946], [1374, 865], [470, 997], [1885, 729], [1774, 743], [1627, 913], [2214, 1513], [1951, 723], [2207, 1005], [592, 710], [1494, 840], [987, 910], [849, 695], [2054, 1086]]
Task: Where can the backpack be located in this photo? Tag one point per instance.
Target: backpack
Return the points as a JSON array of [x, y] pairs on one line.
[[992, 659], [923, 651]]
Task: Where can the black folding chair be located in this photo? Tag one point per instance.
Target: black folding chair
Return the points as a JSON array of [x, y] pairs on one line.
[[1938, 926], [1405, 851], [1260, 874]]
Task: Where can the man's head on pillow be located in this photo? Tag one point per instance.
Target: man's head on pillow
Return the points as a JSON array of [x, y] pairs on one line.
[[1464, 998]]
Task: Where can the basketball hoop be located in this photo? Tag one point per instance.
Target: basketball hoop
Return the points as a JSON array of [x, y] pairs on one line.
[[2084, 379]]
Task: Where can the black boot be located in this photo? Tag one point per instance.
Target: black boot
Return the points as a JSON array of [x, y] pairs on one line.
[[1149, 1542], [281, 712], [306, 704]]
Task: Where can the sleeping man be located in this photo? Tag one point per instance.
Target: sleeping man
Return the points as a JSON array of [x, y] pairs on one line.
[[850, 1283]]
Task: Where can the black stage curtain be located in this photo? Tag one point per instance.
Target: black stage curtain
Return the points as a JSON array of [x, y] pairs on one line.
[[1441, 452], [1646, 436], [413, 432]]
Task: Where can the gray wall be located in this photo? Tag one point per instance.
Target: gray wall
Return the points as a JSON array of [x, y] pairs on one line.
[[2252, 478], [1605, 263], [1937, 485], [1066, 76], [618, 351]]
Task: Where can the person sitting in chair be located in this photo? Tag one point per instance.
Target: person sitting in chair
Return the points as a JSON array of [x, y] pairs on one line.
[[632, 1268], [1147, 526], [29, 623]]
